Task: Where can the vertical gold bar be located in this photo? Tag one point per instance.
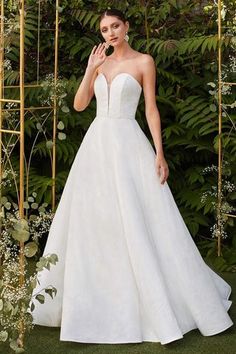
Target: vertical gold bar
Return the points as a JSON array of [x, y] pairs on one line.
[[21, 208], [38, 40], [22, 110], [55, 109], [219, 194], [1, 95]]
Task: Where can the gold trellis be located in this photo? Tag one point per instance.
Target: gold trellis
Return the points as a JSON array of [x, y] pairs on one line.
[[22, 109], [220, 160]]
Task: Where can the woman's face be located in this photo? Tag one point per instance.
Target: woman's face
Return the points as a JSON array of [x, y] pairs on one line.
[[113, 30]]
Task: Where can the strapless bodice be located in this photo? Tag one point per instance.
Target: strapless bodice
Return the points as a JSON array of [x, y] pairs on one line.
[[120, 98]]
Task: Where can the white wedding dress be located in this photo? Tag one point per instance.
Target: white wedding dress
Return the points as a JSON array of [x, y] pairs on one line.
[[128, 270]]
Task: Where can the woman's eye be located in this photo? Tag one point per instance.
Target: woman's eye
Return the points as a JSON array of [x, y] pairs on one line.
[[114, 26]]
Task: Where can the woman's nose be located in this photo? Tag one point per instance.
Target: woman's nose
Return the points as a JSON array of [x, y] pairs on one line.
[[111, 32]]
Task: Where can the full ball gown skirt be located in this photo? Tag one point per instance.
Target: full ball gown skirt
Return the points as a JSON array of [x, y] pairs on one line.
[[128, 270]]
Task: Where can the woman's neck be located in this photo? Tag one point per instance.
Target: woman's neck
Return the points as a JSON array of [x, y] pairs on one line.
[[121, 52]]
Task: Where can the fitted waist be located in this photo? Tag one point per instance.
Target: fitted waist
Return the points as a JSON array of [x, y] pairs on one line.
[[103, 116]]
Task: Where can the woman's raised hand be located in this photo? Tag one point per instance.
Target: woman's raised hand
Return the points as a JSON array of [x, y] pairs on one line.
[[98, 55]]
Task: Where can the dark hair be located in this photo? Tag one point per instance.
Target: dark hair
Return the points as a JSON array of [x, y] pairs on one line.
[[113, 12]]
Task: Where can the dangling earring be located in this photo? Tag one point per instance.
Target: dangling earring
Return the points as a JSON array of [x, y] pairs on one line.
[[126, 37]]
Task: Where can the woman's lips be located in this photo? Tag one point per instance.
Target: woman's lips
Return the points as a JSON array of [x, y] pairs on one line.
[[110, 41]]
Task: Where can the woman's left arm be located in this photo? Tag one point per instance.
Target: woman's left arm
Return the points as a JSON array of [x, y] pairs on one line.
[[152, 114]]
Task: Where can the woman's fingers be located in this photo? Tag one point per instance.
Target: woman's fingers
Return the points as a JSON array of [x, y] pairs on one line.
[[97, 49], [106, 45], [101, 48], [93, 50], [162, 172], [165, 174], [162, 176], [158, 167], [162, 169]]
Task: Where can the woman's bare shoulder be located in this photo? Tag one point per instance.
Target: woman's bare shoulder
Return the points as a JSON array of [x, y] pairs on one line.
[[146, 58], [147, 63]]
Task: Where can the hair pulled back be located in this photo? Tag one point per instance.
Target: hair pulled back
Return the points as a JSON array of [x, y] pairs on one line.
[[113, 12]]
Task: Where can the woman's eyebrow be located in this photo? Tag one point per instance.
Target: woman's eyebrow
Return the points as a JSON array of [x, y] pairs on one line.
[[110, 24]]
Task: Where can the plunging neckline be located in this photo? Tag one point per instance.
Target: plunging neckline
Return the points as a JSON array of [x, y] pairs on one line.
[[109, 84], [117, 75]]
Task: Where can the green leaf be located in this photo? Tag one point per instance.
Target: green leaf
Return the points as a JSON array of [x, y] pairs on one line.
[[212, 84], [20, 235], [31, 249], [53, 258], [21, 230], [49, 144], [14, 346], [41, 264], [4, 200], [3, 336], [34, 205], [20, 224], [60, 125], [33, 283], [59, 9], [213, 107], [54, 290], [65, 109], [48, 266], [32, 307], [7, 205], [49, 291], [40, 298], [61, 136], [39, 127]]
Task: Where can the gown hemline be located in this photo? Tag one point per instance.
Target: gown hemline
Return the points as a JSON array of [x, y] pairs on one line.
[[154, 340]]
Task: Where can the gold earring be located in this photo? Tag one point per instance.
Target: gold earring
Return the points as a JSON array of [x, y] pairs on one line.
[[126, 37]]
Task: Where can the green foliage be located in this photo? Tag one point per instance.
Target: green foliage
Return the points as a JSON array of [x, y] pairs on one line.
[[16, 300]]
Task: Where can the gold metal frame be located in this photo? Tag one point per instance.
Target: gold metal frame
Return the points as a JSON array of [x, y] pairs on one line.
[[22, 110], [220, 84]]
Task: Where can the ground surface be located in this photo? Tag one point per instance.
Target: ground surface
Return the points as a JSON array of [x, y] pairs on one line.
[[45, 340]]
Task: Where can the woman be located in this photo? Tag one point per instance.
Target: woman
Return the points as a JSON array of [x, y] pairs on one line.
[[128, 268], [124, 59]]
